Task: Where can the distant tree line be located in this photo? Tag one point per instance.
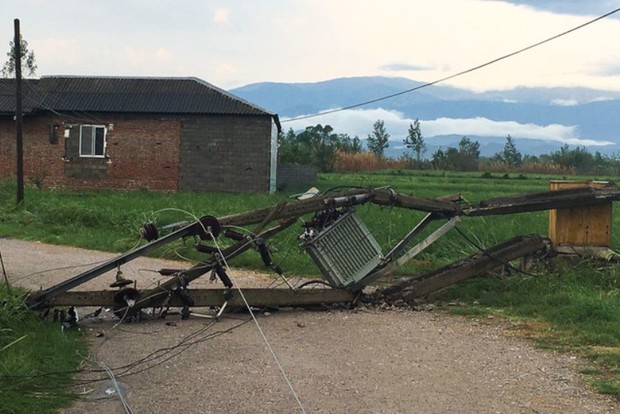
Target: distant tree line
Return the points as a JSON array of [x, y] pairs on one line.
[[320, 146], [316, 145]]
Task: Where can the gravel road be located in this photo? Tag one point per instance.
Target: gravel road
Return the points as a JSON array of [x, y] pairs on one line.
[[360, 361]]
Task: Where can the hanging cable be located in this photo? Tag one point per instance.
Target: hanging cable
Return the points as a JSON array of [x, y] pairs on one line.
[[260, 330], [489, 255], [472, 69], [117, 388], [44, 97]]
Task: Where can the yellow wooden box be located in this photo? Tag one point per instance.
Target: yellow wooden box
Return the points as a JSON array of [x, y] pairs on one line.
[[580, 226]]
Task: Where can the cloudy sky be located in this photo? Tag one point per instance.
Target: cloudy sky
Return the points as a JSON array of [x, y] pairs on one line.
[[236, 42]]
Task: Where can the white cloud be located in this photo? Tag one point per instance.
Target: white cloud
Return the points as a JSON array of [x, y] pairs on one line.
[[359, 122], [227, 69], [221, 16], [56, 49], [602, 99], [288, 24], [134, 56], [356, 122], [308, 41], [163, 55], [564, 102], [485, 127], [403, 67]]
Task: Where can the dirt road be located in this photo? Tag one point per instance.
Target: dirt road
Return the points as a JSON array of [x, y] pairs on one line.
[[360, 361]]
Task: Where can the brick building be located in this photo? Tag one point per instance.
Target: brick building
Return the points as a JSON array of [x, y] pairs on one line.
[[138, 133]]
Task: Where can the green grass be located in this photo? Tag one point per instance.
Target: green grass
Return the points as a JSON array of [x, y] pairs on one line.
[[30, 347], [568, 306]]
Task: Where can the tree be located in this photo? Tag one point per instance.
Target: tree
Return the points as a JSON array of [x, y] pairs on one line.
[[290, 149], [415, 140], [317, 145], [510, 156], [468, 155], [439, 160], [579, 158], [348, 144], [378, 140], [464, 158], [27, 59], [321, 144]]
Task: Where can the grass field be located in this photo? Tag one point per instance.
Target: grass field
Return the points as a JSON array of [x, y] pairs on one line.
[[566, 306], [36, 359]]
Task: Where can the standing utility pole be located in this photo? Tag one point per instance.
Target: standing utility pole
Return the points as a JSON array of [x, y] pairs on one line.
[[18, 115]]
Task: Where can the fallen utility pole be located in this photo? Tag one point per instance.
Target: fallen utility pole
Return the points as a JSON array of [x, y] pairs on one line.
[[256, 297], [282, 211], [474, 265], [547, 200], [335, 238]]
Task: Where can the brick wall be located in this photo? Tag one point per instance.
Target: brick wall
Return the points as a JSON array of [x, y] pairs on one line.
[[42, 159], [225, 154], [196, 153], [141, 152], [295, 177]]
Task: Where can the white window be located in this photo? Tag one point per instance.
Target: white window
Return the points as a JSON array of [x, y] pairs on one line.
[[92, 141]]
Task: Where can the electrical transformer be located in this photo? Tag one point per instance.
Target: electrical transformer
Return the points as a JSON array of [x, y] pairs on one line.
[[345, 251]]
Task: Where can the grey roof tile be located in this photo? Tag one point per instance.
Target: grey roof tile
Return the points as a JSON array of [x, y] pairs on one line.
[[125, 95]]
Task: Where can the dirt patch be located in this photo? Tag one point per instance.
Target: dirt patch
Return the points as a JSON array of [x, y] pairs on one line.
[[361, 361]]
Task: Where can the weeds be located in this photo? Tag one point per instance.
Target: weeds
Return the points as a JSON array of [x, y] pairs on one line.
[[30, 347]]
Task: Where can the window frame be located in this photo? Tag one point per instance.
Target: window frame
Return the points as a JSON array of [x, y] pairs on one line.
[[93, 141]]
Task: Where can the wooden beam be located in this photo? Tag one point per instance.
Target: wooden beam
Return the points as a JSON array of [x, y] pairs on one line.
[[548, 200], [447, 208], [259, 297], [298, 208], [474, 265]]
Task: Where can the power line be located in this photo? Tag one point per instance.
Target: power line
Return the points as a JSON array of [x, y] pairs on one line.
[[44, 97], [472, 69]]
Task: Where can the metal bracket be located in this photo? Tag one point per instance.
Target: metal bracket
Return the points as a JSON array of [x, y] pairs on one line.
[[414, 251]]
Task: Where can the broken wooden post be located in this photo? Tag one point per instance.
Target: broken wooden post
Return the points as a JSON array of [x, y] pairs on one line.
[[474, 265]]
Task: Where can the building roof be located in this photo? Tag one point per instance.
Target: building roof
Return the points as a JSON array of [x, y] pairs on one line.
[[124, 95]]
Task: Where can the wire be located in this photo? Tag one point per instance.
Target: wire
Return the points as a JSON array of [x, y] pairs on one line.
[[260, 330], [489, 255], [466, 71], [185, 343], [44, 97], [312, 282], [123, 318], [58, 268], [171, 352], [126, 406]]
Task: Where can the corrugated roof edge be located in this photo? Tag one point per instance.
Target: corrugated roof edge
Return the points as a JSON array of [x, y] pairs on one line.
[[275, 116]]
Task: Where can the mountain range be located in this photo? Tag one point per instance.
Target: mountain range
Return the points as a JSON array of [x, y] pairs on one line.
[[540, 120]]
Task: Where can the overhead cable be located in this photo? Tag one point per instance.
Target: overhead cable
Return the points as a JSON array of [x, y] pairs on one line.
[[472, 69]]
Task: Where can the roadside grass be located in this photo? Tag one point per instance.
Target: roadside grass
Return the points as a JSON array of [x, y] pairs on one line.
[[30, 349], [565, 307]]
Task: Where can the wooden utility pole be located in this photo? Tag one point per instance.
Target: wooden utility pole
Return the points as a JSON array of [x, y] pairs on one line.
[[18, 115]]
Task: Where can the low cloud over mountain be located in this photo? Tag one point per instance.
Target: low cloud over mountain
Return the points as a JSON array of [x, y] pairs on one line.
[[539, 119]]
